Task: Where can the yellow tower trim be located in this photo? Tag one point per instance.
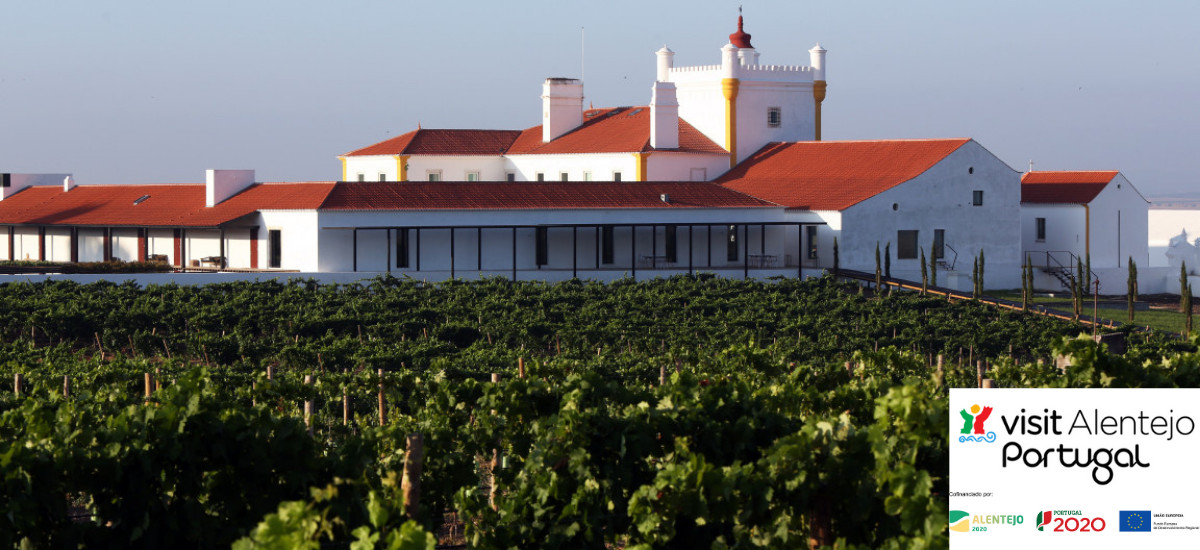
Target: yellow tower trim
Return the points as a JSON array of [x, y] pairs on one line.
[[639, 160], [819, 95], [401, 167], [730, 88]]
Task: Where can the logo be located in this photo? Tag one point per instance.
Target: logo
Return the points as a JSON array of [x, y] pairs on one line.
[[973, 420], [960, 521], [1135, 520], [1043, 519]]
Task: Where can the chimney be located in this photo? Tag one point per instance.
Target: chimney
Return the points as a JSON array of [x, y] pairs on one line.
[[666, 61], [664, 116], [222, 184], [562, 107], [68, 183], [10, 184]]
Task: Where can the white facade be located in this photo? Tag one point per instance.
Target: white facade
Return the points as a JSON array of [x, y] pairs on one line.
[[1166, 224], [1111, 229], [941, 198]]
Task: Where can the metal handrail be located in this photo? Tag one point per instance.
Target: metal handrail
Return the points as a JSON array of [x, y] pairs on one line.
[[949, 265], [1072, 261]]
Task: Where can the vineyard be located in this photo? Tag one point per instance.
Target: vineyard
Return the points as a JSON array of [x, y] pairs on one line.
[[691, 412]]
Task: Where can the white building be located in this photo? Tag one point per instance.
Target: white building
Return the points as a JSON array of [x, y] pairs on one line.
[[1067, 216], [701, 121], [950, 198]]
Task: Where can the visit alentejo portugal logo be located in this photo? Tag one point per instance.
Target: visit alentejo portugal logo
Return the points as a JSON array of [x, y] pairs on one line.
[[1030, 439], [973, 420]]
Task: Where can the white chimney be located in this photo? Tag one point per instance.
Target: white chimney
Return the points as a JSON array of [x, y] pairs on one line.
[[664, 116], [817, 60], [666, 60], [222, 184], [10, 184], [562, 107], [68, 183]]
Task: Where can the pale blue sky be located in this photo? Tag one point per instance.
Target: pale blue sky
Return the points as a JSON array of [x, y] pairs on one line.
[[153, 91]]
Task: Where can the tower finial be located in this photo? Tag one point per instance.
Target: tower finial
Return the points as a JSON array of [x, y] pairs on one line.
[[740, 38]]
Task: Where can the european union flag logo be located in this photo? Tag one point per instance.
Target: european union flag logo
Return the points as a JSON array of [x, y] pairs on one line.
[[1135, 520]]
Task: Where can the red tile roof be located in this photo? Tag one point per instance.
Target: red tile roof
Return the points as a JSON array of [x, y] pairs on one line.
[[443, 142], [1065, 187], [183, 205], [834, 175], [531, 195], [617, 130], [166, 205]]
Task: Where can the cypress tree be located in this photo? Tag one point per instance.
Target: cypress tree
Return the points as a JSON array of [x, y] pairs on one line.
[[1024, 287], [1029, 277], [1087, 275], [887, 260], [975, 278], [981, 272], [932, 270], [1187, 324], [878, 270], [924, 274], [1077, 291], [836, 259], [1183, 285], [1131, 288]]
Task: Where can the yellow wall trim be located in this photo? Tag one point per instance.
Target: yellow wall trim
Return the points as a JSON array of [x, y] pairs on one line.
[[819, 95], [641, 165], [729, 86], [401, 167], [343, 159]]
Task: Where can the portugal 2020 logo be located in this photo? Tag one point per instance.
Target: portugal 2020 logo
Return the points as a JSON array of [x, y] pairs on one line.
[[973, 420]]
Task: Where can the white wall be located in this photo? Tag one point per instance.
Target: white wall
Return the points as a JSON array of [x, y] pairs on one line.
[[1163, 224], [25, 243], [1119, 226], [1064, 232], [161, 241], [601, 165], [666, 166], [301, 246], [941, 198], [451, 167]]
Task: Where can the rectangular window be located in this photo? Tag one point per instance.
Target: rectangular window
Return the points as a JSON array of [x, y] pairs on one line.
[[731, 238], [402, 247], [587, 176], [542, 246], [274, 248], [616, 176], [472, 176], [812, 241], [672, 244], [382, 177], [5, 180], [562, 176], [939, 243], [541, 176], [774, 117], [906, 244], [977, 198], [362, 177], [1041, 230], [510, 176], [606, 244], [434, 175]]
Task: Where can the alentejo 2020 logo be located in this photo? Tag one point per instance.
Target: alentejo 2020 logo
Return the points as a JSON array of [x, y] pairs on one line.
[[973, 420], [960, 521]]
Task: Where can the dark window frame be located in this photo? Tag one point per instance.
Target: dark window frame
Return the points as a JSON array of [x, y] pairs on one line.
[[275, 248], [977, 197], [1040, 229], [606, 244], [813, 241], [402, 248], [731, 239], [671, 238], [939, 244], [906, 244], [542, 238]]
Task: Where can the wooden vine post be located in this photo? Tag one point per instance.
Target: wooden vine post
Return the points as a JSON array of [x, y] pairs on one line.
[[308, 406], [149, 385], [18, 380], [66, 385], [410, 483], [521, 367], [495, 461], [345, 406], [979, 373], [382, 415]]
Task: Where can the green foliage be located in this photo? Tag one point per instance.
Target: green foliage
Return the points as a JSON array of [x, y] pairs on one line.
[[924, 274], [836, 257], [759, 437]]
